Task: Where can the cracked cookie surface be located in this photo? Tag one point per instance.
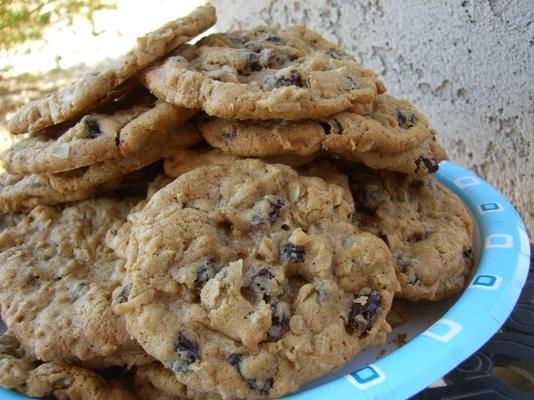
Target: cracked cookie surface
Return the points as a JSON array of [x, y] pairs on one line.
[[258, 282]]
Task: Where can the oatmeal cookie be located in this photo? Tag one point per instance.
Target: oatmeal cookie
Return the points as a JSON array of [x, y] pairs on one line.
[[248, 280], [23, 373], [264, 74], [18, 193], [93, 139], [426, 227], [83, 178], [57, 277]]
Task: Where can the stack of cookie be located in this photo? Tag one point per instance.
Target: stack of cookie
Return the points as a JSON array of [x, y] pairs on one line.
[[225, 219]]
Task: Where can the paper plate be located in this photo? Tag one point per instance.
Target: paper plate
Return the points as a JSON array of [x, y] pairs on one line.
[[443, 333]]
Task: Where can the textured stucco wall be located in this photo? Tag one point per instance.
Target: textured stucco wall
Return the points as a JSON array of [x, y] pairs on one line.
[[468, 65]]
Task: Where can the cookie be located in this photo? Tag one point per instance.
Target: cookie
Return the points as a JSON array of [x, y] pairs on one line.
[[24, 374], [57, 277], [93, 139], [92, 87], [426, 227], [262, 75], [421, 160], [119, 231], [263, 138], [183, 160], [156, 123], [326, 169], [154, 381], [18, 193], [392, 126], [105, 171], [286, 44], [258, 281]]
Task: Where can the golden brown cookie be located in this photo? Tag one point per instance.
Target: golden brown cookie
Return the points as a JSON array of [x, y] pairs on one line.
[[83, 178], [18, 193], [392, 126], [23, 373], [267, 73], [426, 227], [93, 139], [154, 125], [263, 138], [248, 280], [57, 277]]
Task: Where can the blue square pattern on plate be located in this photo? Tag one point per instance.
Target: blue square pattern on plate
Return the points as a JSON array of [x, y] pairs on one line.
[[483, 307]]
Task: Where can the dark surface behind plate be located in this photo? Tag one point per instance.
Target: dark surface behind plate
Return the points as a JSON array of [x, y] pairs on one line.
[[504, 367]]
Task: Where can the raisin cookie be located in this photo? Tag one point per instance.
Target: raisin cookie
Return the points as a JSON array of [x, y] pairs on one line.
[[81, 95], [93, 139], [422, 160], [105, 171], [248, 280], [393, 126], [23, 373], [426, 227], [18, 193], [263, 75], [56, 280], [263, 138], [155, 124]]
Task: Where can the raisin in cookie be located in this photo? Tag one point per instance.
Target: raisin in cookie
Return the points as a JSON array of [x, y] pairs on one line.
[[93, 139], [248, 280], [262, 75], [23, 373], [56, 281], [81, 95], [426, 227]]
